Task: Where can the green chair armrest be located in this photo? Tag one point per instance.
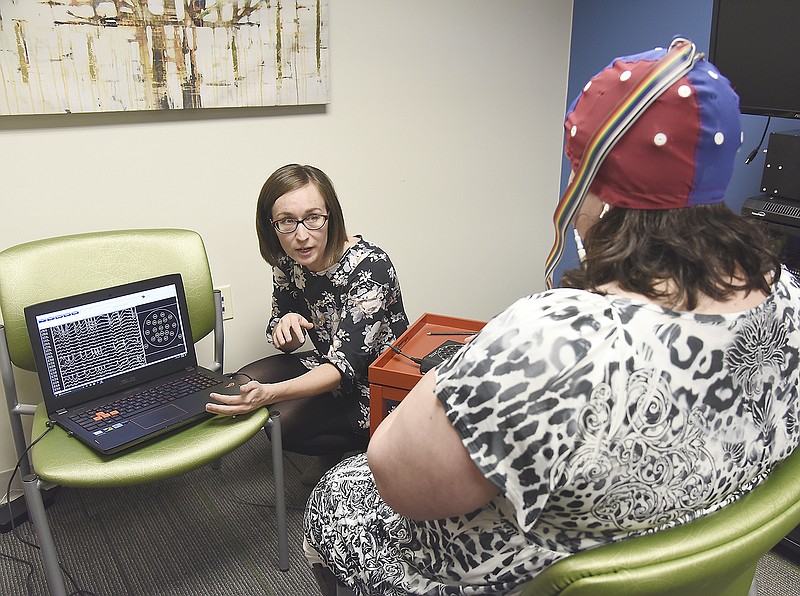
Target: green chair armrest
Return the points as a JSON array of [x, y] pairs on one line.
[[715, 554]]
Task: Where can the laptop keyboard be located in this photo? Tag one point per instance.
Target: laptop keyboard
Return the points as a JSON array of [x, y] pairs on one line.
[[113, 413]]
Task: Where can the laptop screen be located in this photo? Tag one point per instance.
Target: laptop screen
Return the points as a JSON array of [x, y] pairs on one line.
[[103, 341]]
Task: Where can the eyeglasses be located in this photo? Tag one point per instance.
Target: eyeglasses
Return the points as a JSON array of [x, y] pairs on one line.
[[289, 224]]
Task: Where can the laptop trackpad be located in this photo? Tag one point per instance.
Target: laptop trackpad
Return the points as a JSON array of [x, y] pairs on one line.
[[159, 416]]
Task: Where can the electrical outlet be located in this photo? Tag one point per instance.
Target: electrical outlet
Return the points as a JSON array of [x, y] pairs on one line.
[[227, 302]]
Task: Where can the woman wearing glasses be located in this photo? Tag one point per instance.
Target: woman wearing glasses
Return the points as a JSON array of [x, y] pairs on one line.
[[342, 293]]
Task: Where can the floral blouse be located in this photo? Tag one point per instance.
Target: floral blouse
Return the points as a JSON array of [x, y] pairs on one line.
[[357, 310], [597, 418]]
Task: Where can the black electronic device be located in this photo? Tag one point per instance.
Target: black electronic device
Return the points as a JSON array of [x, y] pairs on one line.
[[774, 210], [756, 46], [117, 366], [438, 355], [781, 176], [782, 218]]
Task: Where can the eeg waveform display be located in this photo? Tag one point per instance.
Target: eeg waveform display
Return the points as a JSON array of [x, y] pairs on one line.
[[90, 350]]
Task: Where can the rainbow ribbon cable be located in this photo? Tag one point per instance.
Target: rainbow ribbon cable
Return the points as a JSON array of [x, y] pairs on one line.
[[678, 61]]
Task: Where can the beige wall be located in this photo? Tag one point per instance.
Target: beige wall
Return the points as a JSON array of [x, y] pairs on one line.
[[443, 138]]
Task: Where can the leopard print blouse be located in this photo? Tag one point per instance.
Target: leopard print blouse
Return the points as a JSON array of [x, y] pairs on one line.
[[597, 418]]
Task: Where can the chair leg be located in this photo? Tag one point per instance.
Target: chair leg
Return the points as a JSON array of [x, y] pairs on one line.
[[328, 584], [326, 581], [280, 491], [31, 486], [753, 588]]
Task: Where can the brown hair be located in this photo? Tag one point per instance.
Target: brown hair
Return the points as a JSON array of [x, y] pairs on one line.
[[701, 250], [286, 179]]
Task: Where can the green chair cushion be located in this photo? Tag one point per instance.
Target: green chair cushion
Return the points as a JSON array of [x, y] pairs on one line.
[[64, 460]]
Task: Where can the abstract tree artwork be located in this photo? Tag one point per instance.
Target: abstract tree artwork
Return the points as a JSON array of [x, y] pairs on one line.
[[72, 56]]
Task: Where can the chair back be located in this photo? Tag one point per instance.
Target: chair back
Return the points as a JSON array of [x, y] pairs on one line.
[[56, 267], [715, 554]]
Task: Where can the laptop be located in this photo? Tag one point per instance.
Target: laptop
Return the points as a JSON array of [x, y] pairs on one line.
[[117, 366]]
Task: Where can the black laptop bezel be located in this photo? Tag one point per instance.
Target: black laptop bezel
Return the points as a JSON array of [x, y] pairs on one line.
[[119, 383]]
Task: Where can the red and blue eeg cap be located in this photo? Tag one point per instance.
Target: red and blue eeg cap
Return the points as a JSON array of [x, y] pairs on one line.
[[678, 153], [656, 130]]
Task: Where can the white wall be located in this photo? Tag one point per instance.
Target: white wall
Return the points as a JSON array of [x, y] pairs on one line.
[[443, 139]]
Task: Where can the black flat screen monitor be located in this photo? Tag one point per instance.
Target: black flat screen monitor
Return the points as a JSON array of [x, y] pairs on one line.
[[756, 44]]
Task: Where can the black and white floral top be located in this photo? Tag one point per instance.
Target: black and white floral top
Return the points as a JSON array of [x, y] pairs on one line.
[[357, 310], [597, 417]]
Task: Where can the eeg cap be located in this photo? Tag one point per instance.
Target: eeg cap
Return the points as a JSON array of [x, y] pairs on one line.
[[678, 153]]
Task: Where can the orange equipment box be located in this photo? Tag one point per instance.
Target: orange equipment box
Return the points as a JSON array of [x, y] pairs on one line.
[[391, 376]]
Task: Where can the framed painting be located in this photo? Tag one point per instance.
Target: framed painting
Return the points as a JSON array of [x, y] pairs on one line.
[[70, 56]]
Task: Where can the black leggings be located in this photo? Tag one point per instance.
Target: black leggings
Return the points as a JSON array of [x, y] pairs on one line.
[[316, 425]]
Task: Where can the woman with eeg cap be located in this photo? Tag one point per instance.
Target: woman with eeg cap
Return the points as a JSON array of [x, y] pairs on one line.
[[660, 386]]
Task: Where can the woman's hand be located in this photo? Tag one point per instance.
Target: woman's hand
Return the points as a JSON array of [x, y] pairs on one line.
[[288, 334], [252, 395]]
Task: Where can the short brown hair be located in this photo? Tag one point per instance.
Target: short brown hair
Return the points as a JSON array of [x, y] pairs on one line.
[[286, 179], [699, 249]]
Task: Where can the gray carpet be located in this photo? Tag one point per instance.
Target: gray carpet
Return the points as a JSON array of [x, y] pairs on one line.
[[209, 532], [777, 576]]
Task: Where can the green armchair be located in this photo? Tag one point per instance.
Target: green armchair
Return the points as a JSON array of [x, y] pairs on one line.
[[45, 269], [714, 555]]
